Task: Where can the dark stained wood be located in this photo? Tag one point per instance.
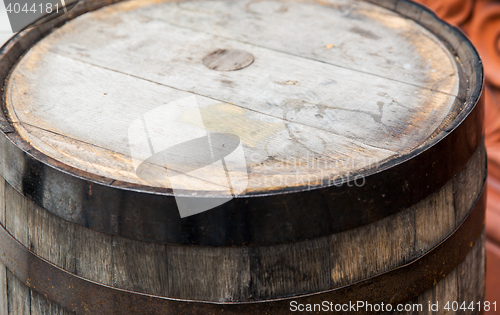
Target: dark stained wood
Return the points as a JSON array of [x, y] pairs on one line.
[[245, 274]]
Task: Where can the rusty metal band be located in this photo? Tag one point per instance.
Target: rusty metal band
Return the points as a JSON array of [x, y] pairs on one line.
[[395, 286], [150, 214]]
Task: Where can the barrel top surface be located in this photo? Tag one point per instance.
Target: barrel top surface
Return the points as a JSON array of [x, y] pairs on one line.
[[319, 89]]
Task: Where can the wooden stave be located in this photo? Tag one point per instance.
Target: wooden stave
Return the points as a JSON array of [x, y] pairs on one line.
[[251, 273], [16, 298]]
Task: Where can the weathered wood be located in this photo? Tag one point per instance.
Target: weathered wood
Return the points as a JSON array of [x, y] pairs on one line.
[[375, 248], [16, 298], [276, 269], [471, 276], [435, 218], [17, 208], [242, 274], [41, 306], [52, 239], [140, 266], [464, 284], [4, 303], [2, 201], [3, 270], [467, 183], [94, 253], [228, 60], [330, 117], [18, 295], [220, 275]]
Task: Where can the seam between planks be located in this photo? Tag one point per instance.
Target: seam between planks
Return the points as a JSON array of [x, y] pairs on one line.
[[222, 101], [93, 145], [313, 59]]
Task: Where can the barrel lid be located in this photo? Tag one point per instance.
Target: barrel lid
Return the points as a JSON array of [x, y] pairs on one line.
[[245, 99]]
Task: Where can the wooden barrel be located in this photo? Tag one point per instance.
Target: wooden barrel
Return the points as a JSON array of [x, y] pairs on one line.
[[241, 157]]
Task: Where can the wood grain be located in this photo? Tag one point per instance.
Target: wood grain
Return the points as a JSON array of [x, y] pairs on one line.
[[52, 239], [4, 303], [467, 183], [471, 277], [17, 208], [465, 283], [41, 306], [216, 274], [18, 295], [456, 287], [304, 112], [435, 218], [139, 267], [302, 266], [2, 201], [239, 273], [94, 255], [374, 248]]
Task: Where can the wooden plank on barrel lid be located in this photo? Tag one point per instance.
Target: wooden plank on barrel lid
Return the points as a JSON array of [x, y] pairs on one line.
[[294, 105], [337, 32]]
